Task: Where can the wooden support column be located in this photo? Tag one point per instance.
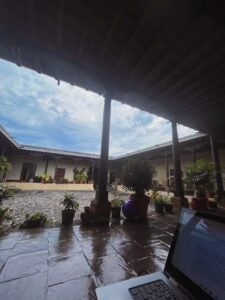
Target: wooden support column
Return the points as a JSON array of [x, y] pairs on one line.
[[102, 193], [46, 166], [216, 161], [167, 172], [101, 206], [194, 156], [34, 168], [167, 168], [92, 171], [179, 191]]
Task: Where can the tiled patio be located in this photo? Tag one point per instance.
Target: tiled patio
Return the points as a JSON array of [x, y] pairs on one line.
[[69, 263]]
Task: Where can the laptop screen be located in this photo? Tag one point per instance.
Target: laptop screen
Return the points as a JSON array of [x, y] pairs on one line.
[[198, 254]]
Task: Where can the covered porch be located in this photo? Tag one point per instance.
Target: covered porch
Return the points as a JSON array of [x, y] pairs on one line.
[[164, 58]]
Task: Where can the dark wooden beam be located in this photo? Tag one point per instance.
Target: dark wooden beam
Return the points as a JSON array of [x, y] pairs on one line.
[[216, 160], [174, 45], [207, 37], [86, 27], [60, 20], [206, 88], [34, 30], [134, 34], [208, 105], [194, 70], [111, 30], [179, 192], [204, 99]]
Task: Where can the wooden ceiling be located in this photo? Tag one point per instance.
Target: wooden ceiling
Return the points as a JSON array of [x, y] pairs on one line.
[[164, 57]]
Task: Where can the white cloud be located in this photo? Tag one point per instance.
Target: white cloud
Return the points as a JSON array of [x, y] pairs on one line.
[[39, 111]]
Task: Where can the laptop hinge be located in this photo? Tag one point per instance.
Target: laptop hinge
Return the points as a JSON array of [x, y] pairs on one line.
[[180, 287], [166, 274]]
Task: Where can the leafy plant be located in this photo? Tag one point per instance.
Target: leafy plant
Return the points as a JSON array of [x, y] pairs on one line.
[[37, 219], [4, 214], [116, 202], [44, 176], [6, 191], [137, 176], [69, 202], [63, 180], [80, 175], [4, 166], [199, 175]]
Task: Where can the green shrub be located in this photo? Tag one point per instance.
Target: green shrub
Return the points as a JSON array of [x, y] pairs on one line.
[[116, 202], [4, 214], [63, 180], [69, 202], [137, 176], [6, 191], [37, 219]]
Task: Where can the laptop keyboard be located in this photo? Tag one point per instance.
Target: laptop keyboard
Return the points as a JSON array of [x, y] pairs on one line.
[[153, 291]]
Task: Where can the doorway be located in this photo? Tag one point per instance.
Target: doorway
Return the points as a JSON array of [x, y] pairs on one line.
[[59, 174], [27, 171]]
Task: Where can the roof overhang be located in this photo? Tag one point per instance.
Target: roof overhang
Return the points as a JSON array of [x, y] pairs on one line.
[[164, 57]]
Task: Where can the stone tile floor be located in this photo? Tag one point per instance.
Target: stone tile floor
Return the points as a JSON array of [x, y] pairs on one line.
[[69, 263]]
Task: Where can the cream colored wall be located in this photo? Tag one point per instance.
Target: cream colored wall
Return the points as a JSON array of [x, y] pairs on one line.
[[18, 160], [40, 168], [14, 173], [186, 160], [160, 167]]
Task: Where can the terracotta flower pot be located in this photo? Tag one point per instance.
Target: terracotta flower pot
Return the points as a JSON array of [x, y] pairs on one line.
[[199, 203]]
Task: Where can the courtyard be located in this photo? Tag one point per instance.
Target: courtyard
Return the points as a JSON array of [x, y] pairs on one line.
[[69, 263], [47, 202]]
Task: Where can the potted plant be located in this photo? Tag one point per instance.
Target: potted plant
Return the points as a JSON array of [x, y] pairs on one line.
[[168, 204], [80, 176], [70, 207], [5, 166], [199, 176], [212, 203], [35, 220], [158, 201], [137, 177], [116, 204]]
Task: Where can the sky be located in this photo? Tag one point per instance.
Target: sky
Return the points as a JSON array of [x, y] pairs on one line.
[[35, 110]]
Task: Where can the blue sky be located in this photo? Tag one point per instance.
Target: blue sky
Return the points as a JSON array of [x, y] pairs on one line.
[[36, 111]]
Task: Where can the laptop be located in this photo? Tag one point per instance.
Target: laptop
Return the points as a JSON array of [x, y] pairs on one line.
[[195, 267]]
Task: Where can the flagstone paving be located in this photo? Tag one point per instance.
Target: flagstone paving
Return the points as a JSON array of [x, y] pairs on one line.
[[70, 262]]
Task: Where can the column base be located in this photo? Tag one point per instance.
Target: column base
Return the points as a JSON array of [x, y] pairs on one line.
[[100, 212]]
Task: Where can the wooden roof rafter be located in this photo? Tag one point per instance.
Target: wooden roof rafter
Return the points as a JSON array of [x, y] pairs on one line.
[[204, 90], [133, 35], [34, 29], [111, 29], [60, 21], [205, 38], [86, 28], [208, 99], [190, 74]]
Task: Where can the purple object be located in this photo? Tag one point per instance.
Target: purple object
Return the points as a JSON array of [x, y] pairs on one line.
[[129, 209]]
